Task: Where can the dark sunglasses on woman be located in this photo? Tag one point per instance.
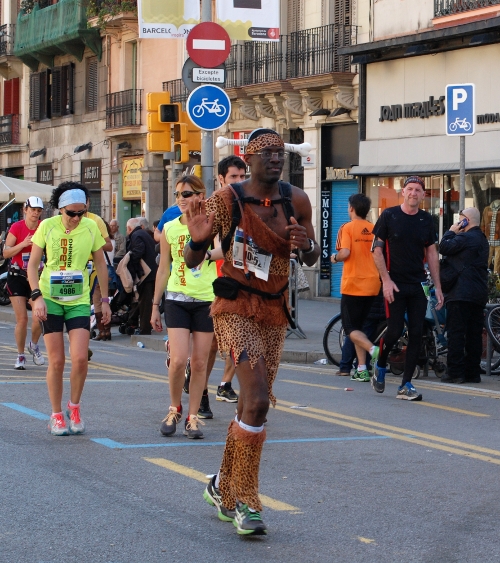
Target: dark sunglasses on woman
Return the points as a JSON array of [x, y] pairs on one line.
[[185, 195], [75, 213]]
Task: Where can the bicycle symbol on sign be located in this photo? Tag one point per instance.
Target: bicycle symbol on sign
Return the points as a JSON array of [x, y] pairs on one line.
[[461, 124], [211, 107]]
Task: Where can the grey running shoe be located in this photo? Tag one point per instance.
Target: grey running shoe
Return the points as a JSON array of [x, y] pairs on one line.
[[20, 362], [76, 424], [212, 495], [226, 393], [34, 350], [169, 423], [378, 378], [408, 392], [191, 427], [57, 425], [248, 521], [205, 411]]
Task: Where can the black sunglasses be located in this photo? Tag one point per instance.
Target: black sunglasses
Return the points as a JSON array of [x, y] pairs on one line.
[[75, 213], [185, 195]]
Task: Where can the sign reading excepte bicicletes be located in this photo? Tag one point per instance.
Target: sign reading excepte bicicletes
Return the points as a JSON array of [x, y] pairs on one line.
[[208, 107], [208, 75]]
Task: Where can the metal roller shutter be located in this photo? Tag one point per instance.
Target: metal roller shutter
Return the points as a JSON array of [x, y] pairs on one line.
[[341, 190]]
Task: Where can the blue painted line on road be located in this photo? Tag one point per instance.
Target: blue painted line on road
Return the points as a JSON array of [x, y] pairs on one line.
[[119, 446], [67, 379], [24, 410]]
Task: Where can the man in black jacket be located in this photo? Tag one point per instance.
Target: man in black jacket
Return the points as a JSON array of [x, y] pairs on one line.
[[466, 247], [141, 245]]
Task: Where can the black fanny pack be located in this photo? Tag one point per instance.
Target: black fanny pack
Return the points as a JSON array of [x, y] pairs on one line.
[[228, 288]]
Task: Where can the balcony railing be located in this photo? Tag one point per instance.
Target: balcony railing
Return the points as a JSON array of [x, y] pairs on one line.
[[123, 109], [450, 7], [300, 54], [9, 130], [178, 91], [7, 38]]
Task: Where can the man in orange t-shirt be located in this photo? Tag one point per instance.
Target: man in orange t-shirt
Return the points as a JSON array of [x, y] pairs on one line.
[[360, 279]]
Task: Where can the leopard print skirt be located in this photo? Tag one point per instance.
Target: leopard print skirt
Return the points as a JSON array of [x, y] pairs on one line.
[[236, 334]]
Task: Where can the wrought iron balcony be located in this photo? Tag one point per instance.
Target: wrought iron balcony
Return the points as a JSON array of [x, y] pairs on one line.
[[7, 39], [56, 29], [178, 91], [9, 130], [124, 109], [307, 52], [450, 7]]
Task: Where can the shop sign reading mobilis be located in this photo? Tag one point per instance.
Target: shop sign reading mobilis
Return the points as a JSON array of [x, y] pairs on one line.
[[424, 110]]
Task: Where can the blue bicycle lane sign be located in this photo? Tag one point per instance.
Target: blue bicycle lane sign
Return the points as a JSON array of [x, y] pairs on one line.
[[460, 109], [208, 107]]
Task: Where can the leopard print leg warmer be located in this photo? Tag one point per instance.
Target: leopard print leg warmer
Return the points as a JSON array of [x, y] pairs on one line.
[[243, 483]]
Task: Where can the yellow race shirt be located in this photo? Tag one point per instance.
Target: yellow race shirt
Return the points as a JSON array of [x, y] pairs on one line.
[[65, 278], [193, 282]]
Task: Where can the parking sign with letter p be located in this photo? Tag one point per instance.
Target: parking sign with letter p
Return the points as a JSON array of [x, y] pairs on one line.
[[460, 109]]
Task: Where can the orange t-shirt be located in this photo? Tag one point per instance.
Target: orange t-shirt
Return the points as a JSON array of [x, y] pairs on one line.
[[360, 275]]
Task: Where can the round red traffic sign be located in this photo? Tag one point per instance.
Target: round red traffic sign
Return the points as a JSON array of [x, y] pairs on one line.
[[208, 44]]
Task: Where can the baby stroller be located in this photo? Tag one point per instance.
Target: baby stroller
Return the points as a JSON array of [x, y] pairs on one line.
[[120, 304]]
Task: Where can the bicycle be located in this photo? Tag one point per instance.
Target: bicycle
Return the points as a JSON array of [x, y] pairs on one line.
[[460, 123], [211, 107]]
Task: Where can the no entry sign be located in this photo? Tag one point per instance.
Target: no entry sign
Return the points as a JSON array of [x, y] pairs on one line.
[[208, 44]]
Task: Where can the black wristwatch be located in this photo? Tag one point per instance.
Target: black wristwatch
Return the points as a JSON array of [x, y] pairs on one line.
[[311, 247], [35, 294]]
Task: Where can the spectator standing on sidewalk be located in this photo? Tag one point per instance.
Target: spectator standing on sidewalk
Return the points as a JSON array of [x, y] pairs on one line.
[[405, 239], [18, 249], [274, 218], [466, 248], [141, 246], [120, 242], [360, 279]]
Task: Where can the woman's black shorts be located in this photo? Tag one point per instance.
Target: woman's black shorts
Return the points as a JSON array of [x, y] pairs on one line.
[[18, 286], [194, 316]]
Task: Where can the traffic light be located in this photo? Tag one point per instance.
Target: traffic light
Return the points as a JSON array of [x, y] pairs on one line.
[[159, 131], [187, 137]]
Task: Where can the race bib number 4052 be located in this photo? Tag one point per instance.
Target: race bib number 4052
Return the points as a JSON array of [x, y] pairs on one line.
[[257, 260]]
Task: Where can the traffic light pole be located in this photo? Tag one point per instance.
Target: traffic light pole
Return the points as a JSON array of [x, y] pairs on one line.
[[207, 137]]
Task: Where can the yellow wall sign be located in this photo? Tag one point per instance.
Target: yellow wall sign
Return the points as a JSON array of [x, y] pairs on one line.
[[132, 178]]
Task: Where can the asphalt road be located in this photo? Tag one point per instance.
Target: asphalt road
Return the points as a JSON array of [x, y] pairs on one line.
[[348, 476]]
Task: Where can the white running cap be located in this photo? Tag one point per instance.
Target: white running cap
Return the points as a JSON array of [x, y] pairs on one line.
[[34, 201]]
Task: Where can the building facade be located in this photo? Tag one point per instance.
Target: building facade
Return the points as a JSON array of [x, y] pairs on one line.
[[405, 63]]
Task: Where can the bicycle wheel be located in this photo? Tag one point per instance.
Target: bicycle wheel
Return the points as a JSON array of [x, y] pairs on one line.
[[221, 111], [495, 355], [4, 296], [198, 111], [333, 339], [453, 127], [492, 322]]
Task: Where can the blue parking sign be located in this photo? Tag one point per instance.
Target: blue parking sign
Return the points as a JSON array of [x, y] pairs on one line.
[[208, 107], [460, 110]]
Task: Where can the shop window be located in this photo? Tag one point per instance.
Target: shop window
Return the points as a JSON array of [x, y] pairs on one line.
[[92, 85]]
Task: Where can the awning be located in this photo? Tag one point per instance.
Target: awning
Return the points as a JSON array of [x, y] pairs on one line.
[[424, 169], [20, 190]]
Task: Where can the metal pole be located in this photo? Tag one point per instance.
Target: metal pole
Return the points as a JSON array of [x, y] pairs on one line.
[[207, 137], [462, 173]]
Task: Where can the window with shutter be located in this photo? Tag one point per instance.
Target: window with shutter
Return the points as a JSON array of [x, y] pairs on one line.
[[92, 93], [295, 15], [7, 97], [68, 89], [45, 94], [55, 91], [15, 96], [35, 96], [342, 12]]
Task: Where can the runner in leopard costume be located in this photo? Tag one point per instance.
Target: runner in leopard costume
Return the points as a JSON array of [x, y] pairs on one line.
[[250, 323]]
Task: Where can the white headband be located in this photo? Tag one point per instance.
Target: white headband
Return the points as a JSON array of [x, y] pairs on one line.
[[72, 196]]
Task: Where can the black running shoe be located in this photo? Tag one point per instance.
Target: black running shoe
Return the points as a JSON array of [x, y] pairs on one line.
[[169, 423], [204, 410], [212, 495], [248, 521], [188, 377], [226, 393]]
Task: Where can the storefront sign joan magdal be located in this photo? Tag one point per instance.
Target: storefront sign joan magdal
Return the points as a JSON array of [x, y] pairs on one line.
[[424, 110], [132, 178]]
